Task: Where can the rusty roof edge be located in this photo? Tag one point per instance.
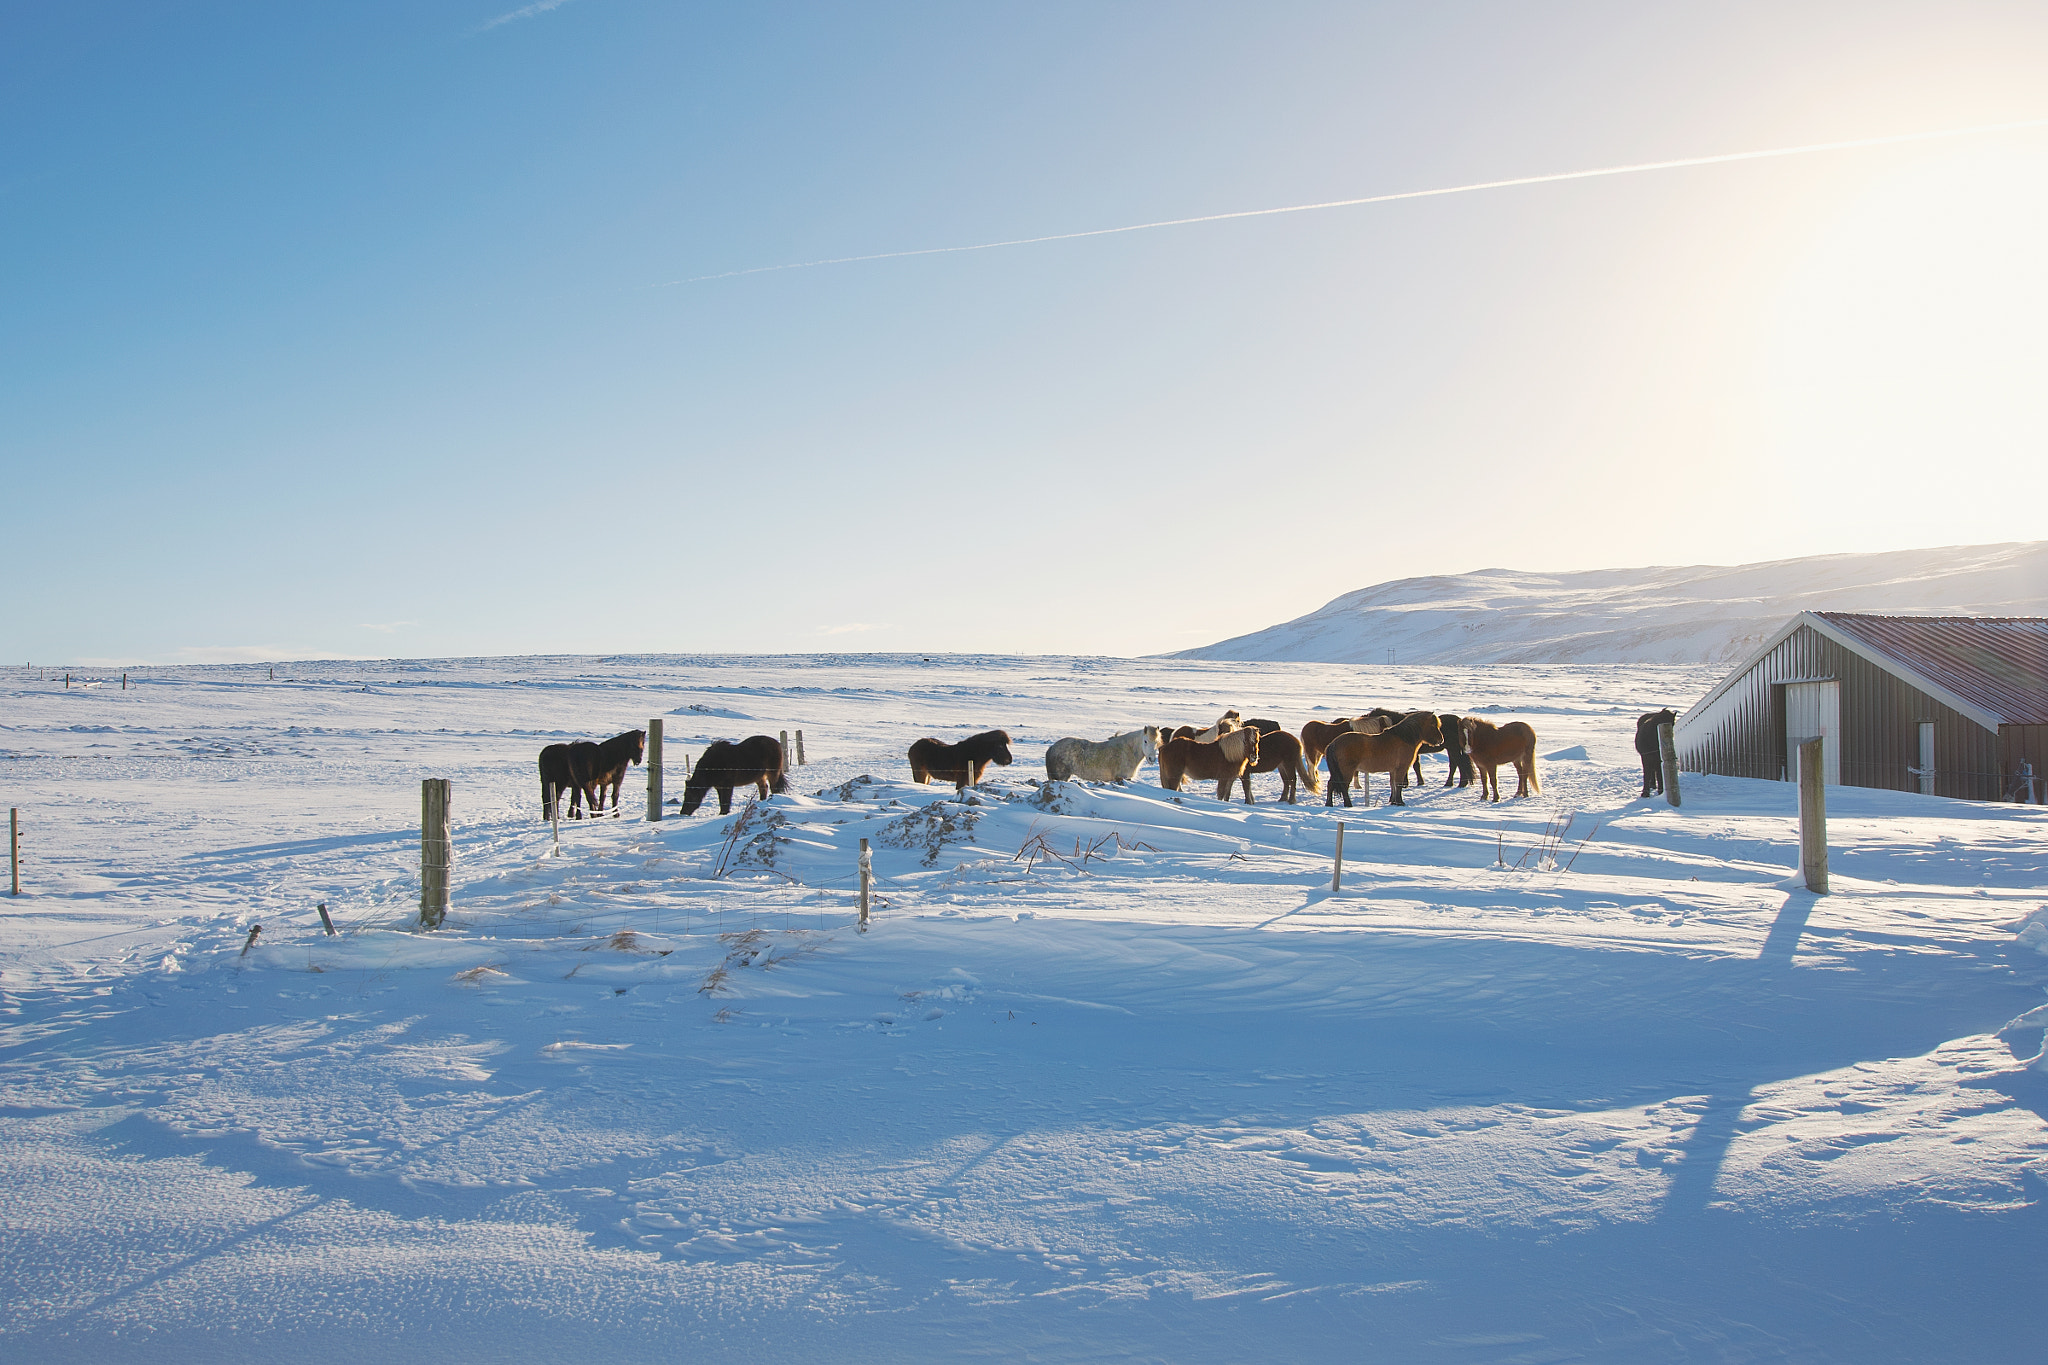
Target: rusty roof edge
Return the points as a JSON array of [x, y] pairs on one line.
[[1948, 697]]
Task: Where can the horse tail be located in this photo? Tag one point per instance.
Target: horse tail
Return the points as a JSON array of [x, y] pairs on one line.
[[1308, 774], [1534, 785]]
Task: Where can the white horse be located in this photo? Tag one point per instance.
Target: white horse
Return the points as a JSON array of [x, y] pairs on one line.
[[1116, 759]]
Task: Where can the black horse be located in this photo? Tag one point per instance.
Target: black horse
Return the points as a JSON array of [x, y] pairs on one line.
[[584, 770], [961, 764], [726, 765], [1647, 747]]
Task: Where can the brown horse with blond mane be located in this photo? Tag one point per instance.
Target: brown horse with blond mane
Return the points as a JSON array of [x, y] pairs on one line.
[[1391, 751], [1492, 745], [1222, 761]]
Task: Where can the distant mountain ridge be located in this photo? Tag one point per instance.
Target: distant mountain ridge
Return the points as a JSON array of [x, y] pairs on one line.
[[1657, 615]]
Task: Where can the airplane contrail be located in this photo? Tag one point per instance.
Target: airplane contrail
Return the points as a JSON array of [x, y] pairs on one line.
[[1807, 149]]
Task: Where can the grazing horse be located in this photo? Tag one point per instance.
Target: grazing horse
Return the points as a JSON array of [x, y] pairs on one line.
[[961, 764], [1391, 751], [1492, 745], [1279, 752], [1222, 762], [584, 770], [728, 764], [1116, 759], [1649, 750]]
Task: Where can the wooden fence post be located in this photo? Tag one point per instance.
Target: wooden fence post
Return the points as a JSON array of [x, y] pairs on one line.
[[800, 759], [14, 849], [555, 814], [1667, 755], [786, 750], [866, 871], [434, 849], [654, 769], [1337, 874], [325, 922], [1813, 817]]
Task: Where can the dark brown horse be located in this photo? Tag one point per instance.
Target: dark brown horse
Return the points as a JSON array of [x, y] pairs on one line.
[[1391, 751], [1279, 752], [726, 765], [1492, 745], [1649, 750], [1222, 760], [584, 770], [961, 764]]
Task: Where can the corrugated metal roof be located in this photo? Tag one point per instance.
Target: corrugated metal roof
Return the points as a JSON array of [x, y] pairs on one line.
[[1997, 662]]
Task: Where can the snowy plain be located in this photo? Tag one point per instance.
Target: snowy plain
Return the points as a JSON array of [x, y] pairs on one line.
[[1632, 1096]]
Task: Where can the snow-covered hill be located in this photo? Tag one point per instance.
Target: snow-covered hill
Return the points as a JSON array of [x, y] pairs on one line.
[[1698, 614]]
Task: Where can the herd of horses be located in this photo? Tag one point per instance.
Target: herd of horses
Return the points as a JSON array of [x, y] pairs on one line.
[[1234, 749], [1229, 752]]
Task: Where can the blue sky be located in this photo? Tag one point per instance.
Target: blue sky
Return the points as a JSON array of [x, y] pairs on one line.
[[353, 329]]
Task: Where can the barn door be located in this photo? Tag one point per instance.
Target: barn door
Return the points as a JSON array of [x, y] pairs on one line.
[[1813, 710]]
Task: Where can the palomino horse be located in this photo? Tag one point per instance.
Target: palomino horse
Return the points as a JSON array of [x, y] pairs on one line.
[[1116, 759], [1492, 745], [961, 764], [1222, 762], [726, 765], [1649, 750], [584, 770], [1391, 751], [1279, 752]]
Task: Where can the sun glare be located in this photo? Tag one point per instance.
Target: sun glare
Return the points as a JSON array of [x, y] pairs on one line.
[[1907, 350]]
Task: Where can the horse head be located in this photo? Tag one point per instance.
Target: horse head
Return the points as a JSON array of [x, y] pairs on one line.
[[1148, 741], [1432, 728], [639, 744], [1000, 755]]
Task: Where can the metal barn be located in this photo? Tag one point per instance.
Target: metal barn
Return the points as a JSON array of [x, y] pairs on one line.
[[1950, 705]]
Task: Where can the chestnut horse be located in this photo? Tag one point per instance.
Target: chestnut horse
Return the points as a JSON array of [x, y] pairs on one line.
[[1222, 762], [726, 765], [1279, 752], [583, 771], [961, 764], [1316, 735], [1391, 751], [1492, 745]]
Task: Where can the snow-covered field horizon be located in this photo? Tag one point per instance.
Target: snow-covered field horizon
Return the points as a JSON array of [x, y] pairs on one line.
[[1112, 1074]]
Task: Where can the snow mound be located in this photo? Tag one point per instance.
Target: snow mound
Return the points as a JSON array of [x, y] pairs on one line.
[[1577, 751], [2033, 930]]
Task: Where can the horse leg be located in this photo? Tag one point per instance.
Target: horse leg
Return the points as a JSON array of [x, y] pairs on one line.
[[1397, 782], [725, 800]]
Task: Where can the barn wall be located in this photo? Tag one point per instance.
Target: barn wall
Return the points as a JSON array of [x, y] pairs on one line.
[[1743, 733], [2025, 744]]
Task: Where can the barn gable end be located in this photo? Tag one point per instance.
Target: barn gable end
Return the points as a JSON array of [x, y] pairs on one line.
[[1981, 682]]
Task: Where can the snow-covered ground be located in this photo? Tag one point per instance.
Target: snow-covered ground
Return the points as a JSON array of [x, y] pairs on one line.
[[1701, 612], [1148, 1091]]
